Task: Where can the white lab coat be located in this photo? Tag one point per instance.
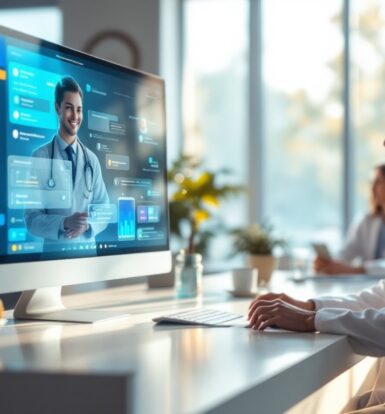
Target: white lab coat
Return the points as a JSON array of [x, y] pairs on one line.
[[361, 244], [361, 316], [48, 223]]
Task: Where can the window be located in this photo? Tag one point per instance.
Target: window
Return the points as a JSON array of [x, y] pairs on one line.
[[302, 79], [322, 97], [49, 20], [368, 94], [215, 96]]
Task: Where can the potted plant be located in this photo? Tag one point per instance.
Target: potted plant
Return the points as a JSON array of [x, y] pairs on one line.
[[195, 195], [258, 242]]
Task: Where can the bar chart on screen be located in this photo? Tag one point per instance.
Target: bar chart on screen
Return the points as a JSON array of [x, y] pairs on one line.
[[126, 218]]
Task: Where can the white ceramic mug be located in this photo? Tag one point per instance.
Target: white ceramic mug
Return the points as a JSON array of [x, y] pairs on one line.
[[244, 280]]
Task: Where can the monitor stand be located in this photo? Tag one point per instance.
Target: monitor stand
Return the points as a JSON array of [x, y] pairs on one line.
[[46, 304]]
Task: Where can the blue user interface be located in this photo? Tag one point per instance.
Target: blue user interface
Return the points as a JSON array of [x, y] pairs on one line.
[[109, 195]]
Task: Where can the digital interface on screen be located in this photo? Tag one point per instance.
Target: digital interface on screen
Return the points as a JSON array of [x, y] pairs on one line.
[[115, 184]]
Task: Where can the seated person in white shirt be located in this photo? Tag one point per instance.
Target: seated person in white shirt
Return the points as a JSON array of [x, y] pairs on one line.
[[360, 316], [366, 241]]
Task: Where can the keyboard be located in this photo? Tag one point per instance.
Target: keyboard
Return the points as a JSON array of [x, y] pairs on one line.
[[202, 316]]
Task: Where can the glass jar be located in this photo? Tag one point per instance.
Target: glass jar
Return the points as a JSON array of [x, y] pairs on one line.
[[188, 275]]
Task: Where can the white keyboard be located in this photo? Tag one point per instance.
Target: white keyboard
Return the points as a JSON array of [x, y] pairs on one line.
[[202, 316]]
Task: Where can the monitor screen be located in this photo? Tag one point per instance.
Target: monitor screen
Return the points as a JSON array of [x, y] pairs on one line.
[[82, 155]]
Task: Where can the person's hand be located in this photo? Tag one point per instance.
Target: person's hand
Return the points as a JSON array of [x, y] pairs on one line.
[[283, 311], [306, 305], [75, 225], [320, 264], [333, 267], [280, 314]]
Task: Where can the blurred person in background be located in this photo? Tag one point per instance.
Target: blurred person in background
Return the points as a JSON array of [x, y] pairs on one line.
[[364, 251]]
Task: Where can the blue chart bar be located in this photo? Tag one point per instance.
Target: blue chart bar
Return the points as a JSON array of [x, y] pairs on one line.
[[126, 222], [127, 229]]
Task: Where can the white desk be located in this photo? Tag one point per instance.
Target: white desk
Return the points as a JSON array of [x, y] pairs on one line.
[[166, 369]]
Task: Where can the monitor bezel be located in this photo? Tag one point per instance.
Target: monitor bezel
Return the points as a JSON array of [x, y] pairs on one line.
[[35, 275]]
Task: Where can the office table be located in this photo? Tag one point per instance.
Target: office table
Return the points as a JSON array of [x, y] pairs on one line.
[[146, 368]]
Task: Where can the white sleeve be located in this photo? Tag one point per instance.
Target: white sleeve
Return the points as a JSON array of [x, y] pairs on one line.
[[361, 316], [373, 297], [41, 224], [352, 248], [375, 267], [366, 328]]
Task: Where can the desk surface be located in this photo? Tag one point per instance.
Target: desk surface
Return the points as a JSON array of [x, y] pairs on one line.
[[186, 369]]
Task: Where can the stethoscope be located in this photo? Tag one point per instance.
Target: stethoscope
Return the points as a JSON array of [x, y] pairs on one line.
[[88, 170]]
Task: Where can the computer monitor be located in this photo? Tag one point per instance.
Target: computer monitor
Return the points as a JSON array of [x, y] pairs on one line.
[[82, 172]]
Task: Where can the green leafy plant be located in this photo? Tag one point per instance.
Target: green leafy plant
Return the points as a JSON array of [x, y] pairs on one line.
[[256, 240], [195, 195]]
